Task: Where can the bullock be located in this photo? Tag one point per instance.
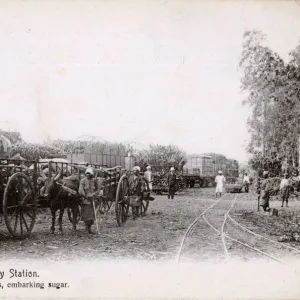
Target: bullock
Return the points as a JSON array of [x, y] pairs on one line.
[[62, 195]]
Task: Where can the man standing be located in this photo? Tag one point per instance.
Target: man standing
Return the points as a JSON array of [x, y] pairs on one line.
[[148, 176], [171, 183], [88, 189], [265, 192], [137, 189], [246, 182], [284, 190], [220, 181]]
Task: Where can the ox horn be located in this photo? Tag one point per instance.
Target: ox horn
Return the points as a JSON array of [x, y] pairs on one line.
[[57, 176]]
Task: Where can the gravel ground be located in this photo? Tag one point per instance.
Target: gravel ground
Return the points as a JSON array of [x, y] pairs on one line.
[[158, 235]]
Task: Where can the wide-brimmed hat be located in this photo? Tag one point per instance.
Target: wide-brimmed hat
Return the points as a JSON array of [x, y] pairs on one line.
[[148, 167], [136, 168], [172, 169], [220, 172], [89, 171]]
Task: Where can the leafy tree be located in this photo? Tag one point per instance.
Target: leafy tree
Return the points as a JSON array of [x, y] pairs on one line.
[[272, 88], [161, 155], [13, 136]]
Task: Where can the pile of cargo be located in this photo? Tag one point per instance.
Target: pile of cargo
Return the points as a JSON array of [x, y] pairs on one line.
[[202, 168]]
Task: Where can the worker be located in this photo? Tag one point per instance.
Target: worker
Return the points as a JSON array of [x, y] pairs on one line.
[[88, 190], [171, 179], [148, 176], [265, 192], [246, 182], [136, 188], [220, 181], [284, 189]]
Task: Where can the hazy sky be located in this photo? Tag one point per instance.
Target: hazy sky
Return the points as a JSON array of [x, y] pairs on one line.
[[144, 71]]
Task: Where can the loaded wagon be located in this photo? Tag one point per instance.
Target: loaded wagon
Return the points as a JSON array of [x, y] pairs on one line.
[[199, 170], [202, 169], [21, 184], [160, 184]]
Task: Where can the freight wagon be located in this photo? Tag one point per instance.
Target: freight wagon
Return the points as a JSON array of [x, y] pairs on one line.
[[202, 169], [198, 170]]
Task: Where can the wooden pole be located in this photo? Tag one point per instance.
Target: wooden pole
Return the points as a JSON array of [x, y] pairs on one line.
[[96, 216], [263, 125], [298, 150]]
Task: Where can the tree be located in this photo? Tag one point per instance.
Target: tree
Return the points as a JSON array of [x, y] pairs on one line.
[[14, 136], [272, 88], [161, 155]]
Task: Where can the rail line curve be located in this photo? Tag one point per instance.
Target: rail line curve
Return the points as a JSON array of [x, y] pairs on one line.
[[225, 236]]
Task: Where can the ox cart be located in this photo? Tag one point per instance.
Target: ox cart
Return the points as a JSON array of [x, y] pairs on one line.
[[22, 183], [120, 188], [18, 196]]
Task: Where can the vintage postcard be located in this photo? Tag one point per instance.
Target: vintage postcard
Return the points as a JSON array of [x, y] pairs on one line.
[[149, 149]]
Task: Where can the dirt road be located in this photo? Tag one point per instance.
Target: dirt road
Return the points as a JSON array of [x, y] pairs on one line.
[[157, 236]]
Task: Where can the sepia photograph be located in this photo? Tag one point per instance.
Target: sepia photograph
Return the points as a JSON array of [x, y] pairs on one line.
[[149, 149]]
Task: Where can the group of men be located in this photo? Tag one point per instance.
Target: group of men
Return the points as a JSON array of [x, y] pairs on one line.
[[89, 189], [265, 187], [220, 182], [171, 180]]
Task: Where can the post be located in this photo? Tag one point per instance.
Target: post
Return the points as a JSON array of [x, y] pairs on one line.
[[298, 150], [35, 176], [263, 129], [49, 169]]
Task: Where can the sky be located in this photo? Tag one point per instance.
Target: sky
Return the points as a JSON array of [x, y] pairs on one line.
[[140, 72]]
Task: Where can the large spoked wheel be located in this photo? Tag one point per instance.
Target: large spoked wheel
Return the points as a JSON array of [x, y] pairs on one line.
[[19, 205], [145, 200], [122, 200]]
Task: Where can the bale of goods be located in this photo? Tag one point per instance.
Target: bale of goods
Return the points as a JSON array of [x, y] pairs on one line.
[[208, 165], [199, 165]]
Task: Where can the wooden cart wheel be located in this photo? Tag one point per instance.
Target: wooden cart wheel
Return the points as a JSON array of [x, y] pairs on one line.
[[106, 202], [122, 200], [145, 200], [105, 205], [70, 215], [19, 205]]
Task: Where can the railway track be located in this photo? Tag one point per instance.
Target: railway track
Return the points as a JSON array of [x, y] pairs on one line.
[[240, 235]]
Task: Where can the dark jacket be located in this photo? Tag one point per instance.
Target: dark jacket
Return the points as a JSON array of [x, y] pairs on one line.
[[171, 179]]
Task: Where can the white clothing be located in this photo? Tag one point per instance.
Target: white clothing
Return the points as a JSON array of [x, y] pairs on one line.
[[148, 176], [220, 180], [246, 179], [284, 182], [219, 189]]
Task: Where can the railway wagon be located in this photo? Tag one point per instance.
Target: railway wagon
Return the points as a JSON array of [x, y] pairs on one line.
[[107, 160], [232, 168], [202, 169], [199, 169]]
